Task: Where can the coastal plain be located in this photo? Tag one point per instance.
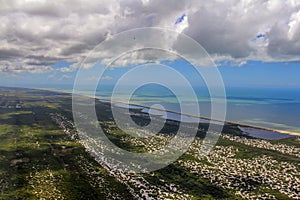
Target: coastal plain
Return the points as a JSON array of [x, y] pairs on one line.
[[43, 156]]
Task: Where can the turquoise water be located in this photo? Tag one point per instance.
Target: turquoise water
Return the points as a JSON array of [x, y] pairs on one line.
[[273, 108], [277, 108], [267, 107]]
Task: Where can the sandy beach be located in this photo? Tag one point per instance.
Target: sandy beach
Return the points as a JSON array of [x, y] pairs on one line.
[[206, 118]]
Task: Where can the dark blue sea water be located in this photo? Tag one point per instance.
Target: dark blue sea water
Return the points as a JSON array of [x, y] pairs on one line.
[[277, 108]]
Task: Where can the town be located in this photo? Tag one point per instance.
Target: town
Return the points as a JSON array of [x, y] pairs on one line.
[[259, 177], [44, 155]]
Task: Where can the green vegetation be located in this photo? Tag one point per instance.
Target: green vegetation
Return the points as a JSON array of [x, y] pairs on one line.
[[40, 161]]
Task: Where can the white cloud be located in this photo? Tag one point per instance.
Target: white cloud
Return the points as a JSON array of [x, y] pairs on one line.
[[64, 77], [36, 34], [107, 78]]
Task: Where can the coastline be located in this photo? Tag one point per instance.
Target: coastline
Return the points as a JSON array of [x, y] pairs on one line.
[[207, 118], [265, 128], [292, 133]]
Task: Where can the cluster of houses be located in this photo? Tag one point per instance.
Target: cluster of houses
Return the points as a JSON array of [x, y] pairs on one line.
[[150, 144], [6, 103], [249, 178], [138, 186], [10, 106], [264, 144]]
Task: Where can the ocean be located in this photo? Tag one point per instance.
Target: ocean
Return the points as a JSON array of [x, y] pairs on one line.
[[276, 108]]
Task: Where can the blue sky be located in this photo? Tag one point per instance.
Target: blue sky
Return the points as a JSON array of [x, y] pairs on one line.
[[263, 74], [251, 74], [254, 43]]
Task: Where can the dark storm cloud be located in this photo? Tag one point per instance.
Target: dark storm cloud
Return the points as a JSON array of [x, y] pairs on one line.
[[8, 54]]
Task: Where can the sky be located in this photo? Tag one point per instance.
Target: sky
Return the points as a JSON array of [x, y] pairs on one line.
[[253, 42]]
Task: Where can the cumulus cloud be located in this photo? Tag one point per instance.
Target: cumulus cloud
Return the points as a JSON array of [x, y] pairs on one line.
[[63, 77], [107, 78], [35, 34]]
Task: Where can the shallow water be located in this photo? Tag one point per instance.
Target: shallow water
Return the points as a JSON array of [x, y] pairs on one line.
[[276, 108], [264, 134]]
